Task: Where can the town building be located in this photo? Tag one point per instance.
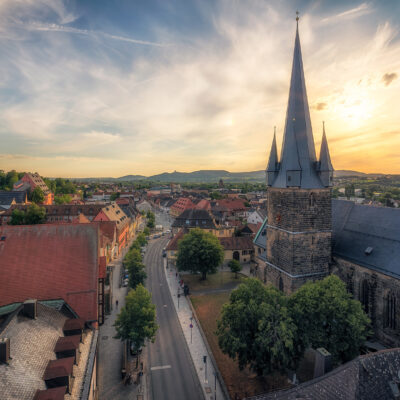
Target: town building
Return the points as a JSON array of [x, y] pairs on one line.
[[10, 198], [257, 216], [32, 180], [182, 204], [53, 262], [39, 360]]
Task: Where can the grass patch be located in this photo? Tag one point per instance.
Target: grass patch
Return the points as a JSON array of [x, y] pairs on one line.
[[239, 383], [219, 280]]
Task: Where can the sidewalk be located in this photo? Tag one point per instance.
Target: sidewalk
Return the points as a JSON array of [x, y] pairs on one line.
[[111, 385], [194, 340]]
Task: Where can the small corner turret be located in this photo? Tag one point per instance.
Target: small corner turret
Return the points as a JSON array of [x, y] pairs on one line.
[[324, 166]]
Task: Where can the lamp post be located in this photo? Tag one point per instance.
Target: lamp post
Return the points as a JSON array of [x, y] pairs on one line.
[[191, 329]]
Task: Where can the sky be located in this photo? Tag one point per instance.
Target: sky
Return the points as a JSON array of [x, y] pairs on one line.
[[110, 88]]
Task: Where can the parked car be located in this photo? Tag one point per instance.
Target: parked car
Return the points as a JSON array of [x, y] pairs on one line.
[[126, 282], [134, 351], [164, 253]]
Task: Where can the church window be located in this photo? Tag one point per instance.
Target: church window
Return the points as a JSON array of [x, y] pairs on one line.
[[365, 295], [390, 311], [281, 284], [312, 200], [349, 284]]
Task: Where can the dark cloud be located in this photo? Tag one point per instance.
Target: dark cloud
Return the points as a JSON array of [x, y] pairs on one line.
[[320, 106], [389, 78]]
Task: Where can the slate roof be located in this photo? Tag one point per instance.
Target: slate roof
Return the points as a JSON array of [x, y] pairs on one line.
[[261, 236], [298, 148], [368, 377], [51, 394], [193, 218], [357, 227], [7, 197], [51, 262]]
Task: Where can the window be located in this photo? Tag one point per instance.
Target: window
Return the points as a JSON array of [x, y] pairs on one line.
[[281, 284], [312, 200], [390, 311], [364, 298]]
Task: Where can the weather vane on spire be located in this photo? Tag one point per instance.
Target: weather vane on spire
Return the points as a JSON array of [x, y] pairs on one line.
[[297, 16]]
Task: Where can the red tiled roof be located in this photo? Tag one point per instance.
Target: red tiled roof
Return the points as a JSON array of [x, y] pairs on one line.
[[123, 200], [59, 368], [173, 244], [254, 227], [102, 267], [232, 204], [73, 324], [236, 243], [67, 343], [182, 204], [51, 262], [51, 394], [203, 205]]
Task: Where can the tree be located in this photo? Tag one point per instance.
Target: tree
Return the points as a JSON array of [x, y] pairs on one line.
[[199, 252], [146, 231], [137, 319], [115, 196], [136, 269], [256, 328], [349, 190], [17, 217], [141, 239], [63, 199], [235, 267], [37, 195], [326, 316], [33, 215]]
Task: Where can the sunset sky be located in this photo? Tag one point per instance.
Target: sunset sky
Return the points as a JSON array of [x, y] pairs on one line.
[[109, 88]]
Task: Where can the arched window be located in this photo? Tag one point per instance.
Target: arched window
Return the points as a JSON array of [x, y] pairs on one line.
[[281, 284], [390, 306], [349, 284], [364, 298]]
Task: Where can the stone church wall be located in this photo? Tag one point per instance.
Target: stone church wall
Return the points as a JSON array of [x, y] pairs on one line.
[[379, 294]]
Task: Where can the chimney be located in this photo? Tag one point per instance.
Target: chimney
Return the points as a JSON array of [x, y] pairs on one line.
[[30, 308], [5, 350], [323, 362]]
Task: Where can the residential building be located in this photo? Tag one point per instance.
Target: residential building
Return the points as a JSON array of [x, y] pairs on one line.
[[32, 180], [51, 262], [113, 212], [38, 360], [257, 216], [182, 204], [12, 198]]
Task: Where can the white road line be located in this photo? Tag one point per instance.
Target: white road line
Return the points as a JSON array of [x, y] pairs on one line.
[[160, 367]]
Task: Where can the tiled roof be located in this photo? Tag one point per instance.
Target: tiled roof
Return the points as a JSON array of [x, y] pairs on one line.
[[369, 377], [254, 227], [203, 205], [67, 343], [59, 368], [114, 213], [51, 262], [192, 218], [7, 197], [182, 204], [73, 324], [231, 204], [359, 227], [173, 244], [51, 394], [236, 243]]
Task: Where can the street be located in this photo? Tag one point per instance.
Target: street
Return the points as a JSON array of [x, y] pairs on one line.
[[170, 367]]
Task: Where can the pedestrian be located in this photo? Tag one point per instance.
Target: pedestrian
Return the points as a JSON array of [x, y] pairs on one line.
[[176, 274], [116, 303]]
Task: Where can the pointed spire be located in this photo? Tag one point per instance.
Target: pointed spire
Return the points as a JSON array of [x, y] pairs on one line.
[[273, 155], [325, 165], [298, 149], [273, 164]]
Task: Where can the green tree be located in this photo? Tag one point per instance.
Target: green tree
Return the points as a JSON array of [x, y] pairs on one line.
[[326, 316], [136, 269], [141, 239], [256, 328], [17, 217], [62, 199], [33, 215], [349, 190], [137, 319], [115, 196], [37, 195], [11, 179], [199, 252], [235, 267], [146, 231]]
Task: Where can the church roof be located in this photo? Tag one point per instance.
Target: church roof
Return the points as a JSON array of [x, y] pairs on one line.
[[325, 163], [298, 149], [367, 235]]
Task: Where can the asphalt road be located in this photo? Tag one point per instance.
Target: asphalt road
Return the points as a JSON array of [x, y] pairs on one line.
[[171, 371]]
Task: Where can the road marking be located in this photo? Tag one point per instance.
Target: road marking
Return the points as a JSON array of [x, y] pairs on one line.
[[165, 305], [160, 367]]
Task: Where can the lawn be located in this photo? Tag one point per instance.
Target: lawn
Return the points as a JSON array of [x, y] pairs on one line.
[[239, 383], [220, 280]]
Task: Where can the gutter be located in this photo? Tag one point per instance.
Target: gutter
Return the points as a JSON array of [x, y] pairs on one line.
[[90, 366]]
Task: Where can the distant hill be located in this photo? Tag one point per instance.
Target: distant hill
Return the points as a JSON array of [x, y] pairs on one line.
[[213, 176]]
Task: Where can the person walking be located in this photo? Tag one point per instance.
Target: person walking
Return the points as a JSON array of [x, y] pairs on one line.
[[116, 303]]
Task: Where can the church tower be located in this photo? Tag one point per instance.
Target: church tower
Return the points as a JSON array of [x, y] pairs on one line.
[[299, 226]]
